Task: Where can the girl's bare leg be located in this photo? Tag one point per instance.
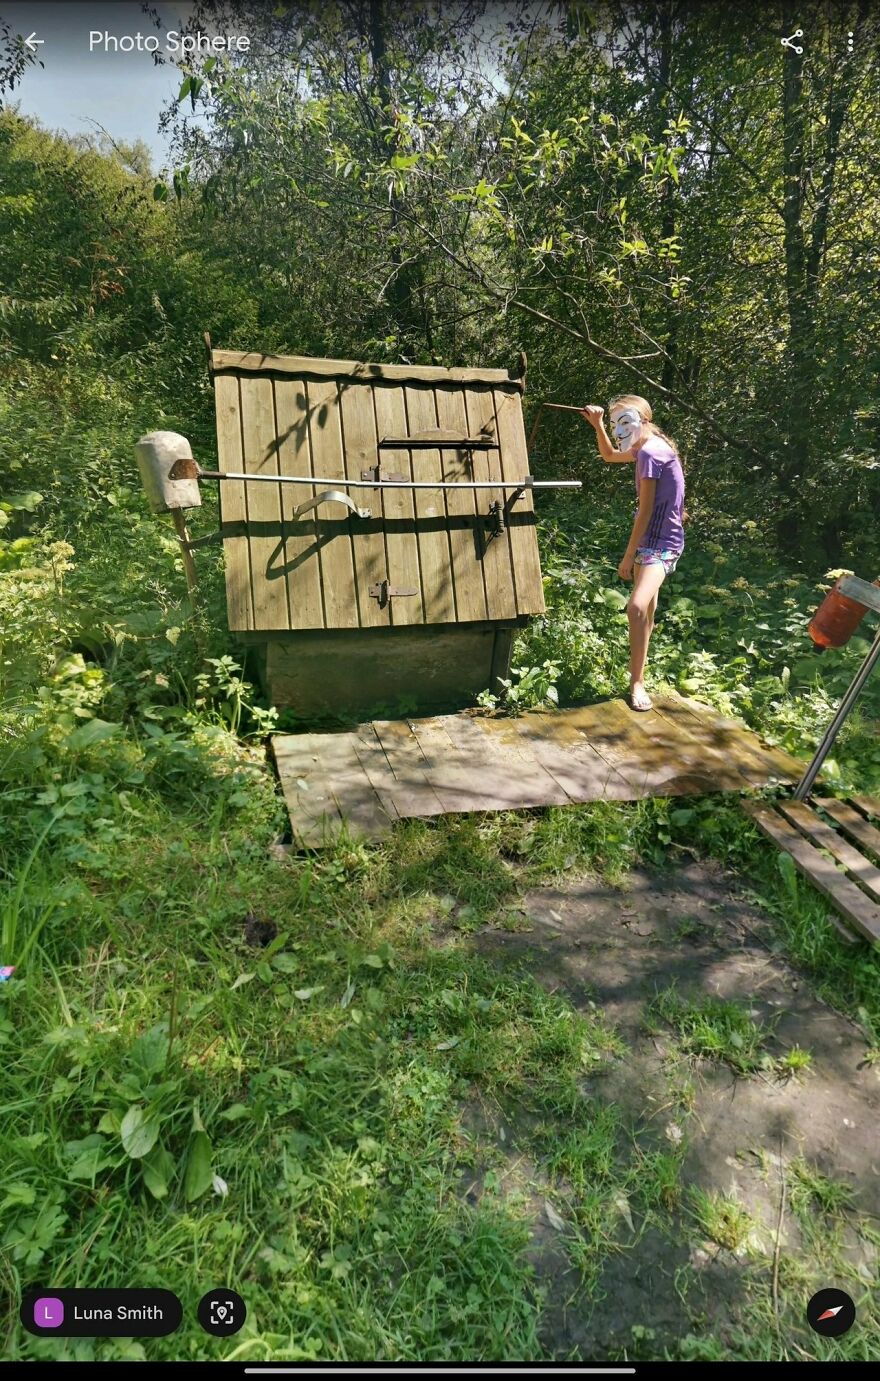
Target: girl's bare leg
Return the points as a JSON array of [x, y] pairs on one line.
[[640, 611]]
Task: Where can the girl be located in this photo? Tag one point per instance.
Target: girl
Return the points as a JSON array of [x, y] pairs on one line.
[[657, 538]]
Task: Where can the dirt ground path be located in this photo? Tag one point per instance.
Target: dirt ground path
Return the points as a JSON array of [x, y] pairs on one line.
[[745, 1140]]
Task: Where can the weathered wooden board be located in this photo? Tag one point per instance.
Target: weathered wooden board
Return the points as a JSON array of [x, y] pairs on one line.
[[564, 751], [367, 535], [529, 587], [868, 805], [435, 554], [415, 794], [338, 582], [487, 766], [327, 789], [314, 814], [302, 537], [849, 900], [676, 751], [392, 769], [398, 511], [266, 535], [820, 833], [303, 366], [674, 766], [233, 506], [852, 823], [728, 737], [465, 539], [495, 557]]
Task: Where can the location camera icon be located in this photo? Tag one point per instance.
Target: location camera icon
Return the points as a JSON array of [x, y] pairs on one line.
[[222, 1312]]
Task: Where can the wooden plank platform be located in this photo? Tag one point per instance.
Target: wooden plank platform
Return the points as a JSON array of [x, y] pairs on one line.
[[367, 778], [820, 852]]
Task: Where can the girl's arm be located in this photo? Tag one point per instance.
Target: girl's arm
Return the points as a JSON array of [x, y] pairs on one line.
[[595, 417], [647, 495]]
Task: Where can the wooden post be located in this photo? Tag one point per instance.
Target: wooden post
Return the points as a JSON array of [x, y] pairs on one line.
[[189, 564]]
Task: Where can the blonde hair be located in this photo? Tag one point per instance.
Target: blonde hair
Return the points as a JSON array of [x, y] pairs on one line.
[[643, 408]]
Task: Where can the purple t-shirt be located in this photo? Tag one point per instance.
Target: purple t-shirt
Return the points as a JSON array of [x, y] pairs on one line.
[[656, 460]]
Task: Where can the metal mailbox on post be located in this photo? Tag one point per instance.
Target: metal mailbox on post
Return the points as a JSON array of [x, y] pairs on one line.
[[378, 523]]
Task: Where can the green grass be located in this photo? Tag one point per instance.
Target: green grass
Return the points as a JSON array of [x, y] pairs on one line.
[[711, 1029], [721, 1218], [286, 1118], [292, 1118], [813, 1192]]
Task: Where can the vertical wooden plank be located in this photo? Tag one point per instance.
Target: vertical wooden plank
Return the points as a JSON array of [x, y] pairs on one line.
[[413, 792], [301, 544], [464, 538], [523, 530], [398, 509], [233, 505], [379, 772], [497, 562], [337, 557], [301, 763], [264, 505], [431, 527], [368, 539]]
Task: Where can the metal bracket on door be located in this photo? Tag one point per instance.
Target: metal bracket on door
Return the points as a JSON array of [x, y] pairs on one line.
[[383, 592], [496, 519], [377, 475], [330, 496]]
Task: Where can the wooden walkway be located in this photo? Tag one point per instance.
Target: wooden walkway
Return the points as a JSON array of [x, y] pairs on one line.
[[367, 778]]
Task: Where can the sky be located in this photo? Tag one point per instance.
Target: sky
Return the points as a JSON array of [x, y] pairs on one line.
[[123, 92]]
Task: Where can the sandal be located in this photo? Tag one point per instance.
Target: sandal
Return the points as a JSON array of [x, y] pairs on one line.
[[640, 701]]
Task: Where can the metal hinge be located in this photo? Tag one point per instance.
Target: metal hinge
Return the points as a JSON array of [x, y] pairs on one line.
[[377, 475], [383, 592]]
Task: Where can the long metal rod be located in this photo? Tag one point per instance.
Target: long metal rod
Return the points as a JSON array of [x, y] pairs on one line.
[[562, 407], [527, 483], [804, 786]]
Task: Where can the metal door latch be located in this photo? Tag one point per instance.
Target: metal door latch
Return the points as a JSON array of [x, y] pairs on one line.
[[383, 592], [377, 475]]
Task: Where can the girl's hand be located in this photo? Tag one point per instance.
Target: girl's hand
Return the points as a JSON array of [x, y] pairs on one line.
[[625, 569], [593, 415]]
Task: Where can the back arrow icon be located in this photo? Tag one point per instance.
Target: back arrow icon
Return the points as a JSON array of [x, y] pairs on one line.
[[33, 42]]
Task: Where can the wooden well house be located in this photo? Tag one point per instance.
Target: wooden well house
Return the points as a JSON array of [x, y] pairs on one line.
[[393, 569]]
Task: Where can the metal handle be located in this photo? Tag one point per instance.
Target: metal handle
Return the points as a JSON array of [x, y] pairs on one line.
[[330, 496]]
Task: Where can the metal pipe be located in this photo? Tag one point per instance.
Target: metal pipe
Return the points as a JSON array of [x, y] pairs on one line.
[[804, 786], [527, 483]]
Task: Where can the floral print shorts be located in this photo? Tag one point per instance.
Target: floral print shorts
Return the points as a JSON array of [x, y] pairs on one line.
[[649, 556]]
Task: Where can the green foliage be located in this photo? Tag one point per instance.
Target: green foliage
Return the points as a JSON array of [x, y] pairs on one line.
[[713, 1029], [533, 688]]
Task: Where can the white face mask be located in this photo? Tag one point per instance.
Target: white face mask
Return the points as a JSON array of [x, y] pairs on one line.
[[627, 427]]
